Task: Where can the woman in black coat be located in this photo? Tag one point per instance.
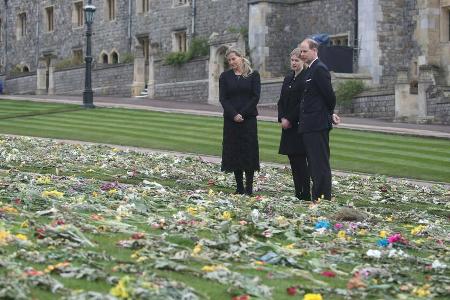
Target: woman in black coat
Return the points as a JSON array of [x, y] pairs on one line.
[[291, 143], [239, 90]]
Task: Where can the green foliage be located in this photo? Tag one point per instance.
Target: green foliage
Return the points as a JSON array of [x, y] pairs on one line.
[[16, 70], [346, 90], [127, 58], [68, 63], [198, 47]]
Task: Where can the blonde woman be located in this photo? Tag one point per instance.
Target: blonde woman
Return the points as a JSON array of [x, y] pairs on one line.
[[291, 143], [239, 90]]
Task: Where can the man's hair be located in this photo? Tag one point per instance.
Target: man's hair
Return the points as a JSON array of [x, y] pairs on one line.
[[311, 43]]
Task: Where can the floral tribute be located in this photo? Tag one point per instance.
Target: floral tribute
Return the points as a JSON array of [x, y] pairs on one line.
[[95, 222]]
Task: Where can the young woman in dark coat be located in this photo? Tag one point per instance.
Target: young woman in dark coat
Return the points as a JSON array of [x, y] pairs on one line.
[[239, 90], [291, 143]]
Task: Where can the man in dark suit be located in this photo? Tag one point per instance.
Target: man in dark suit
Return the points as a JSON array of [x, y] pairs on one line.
[[316, 118]]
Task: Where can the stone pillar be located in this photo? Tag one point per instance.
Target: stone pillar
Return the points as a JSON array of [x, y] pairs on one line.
[[257, 31], [369, 55], [151, 76], [405, 102], [139, 72], [427, 78], [427, 31], [51, 80], [41, 86]]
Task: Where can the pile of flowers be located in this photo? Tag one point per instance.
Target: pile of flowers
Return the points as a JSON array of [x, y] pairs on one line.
[[157, 226]]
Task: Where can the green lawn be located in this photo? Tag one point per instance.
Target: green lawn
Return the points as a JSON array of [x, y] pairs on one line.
[[357, 151]]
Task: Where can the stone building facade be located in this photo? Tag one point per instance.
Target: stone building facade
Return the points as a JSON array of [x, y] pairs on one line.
[[402, 46]]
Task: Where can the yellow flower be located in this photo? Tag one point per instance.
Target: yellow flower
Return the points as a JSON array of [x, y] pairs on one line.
[[312, 297], [112, 192], [25, 224], [341, 234], [5, 237], [8, 210], [383, 234], [120, 290], [44, 180], [94, 194], [226, 216], [191, 210], [211, 192], [213, 268], [290, 246], [52, 194], [389, 219], [423, 291], [417, 230], [197, 249], [258, 262], [362, 232], [21, 237]]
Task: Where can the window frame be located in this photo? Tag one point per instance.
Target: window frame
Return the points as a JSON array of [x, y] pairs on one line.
[[180, 41], [50, 18], [78, 14]]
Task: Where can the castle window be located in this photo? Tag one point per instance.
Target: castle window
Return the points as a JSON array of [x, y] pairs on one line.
[[114, 58], [49, 14], [339, 40], [78, 14], [143, 6], [104, 58], [21, 25], [1, 31], [25, 69], [179, 41], [180, 2], [111, 9]]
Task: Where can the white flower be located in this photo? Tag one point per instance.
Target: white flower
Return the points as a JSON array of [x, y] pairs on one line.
[[438, 265], [373, 253]]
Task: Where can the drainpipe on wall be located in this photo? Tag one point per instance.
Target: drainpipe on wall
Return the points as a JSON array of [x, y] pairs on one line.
[[5, 53], [129, 26], [355, 34], [193, 18], [37, 34]]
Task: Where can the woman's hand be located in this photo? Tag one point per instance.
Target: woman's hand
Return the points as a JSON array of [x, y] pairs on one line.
[[285, 124], [238, 118], [336, 119]]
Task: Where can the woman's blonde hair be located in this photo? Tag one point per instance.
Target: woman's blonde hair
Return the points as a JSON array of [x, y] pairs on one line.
[[246, 66], [296, 52]]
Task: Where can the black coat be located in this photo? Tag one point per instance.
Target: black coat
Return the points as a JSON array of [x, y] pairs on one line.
[[239, 95], [319, 100], [289, 108]]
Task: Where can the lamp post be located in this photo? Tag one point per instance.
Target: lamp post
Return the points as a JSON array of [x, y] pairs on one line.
[[88, 95]]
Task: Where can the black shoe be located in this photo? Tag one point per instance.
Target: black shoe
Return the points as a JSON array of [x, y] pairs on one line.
[[239, 192]]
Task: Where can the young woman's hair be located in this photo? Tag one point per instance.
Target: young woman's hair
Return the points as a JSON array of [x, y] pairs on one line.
[[246, 66], [296, 52]]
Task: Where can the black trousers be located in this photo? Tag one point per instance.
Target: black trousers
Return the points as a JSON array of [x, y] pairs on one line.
[[318, 154], [301, 176]]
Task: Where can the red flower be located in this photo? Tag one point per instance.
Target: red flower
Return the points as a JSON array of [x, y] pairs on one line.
[[241, 297], [291, 290], [328, 274], [17, 201], [40, 233], [33, 272], [211, 182], [138, 236]]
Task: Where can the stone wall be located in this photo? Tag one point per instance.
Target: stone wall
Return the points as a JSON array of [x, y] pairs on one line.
[[106, 80], [187, 82], [379, 104], [270, 91], [395, 32], [289, 22], [438, 104], [23, 84]]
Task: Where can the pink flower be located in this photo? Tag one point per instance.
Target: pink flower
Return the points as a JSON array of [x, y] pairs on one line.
[[397, 238], [328, 274], [338, 226]]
